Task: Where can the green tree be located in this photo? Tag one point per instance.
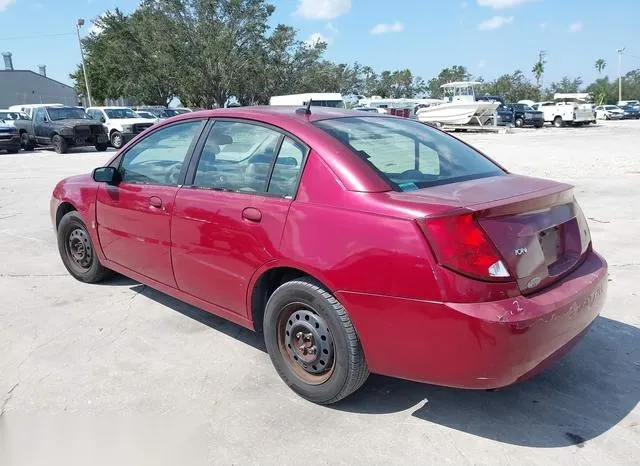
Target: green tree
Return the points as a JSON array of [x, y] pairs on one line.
[[600, 65], [538, 67], [446, 75], [565, 85], [512, 87]]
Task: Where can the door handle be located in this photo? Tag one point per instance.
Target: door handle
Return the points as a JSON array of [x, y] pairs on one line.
[[252, 214], [155, 201]]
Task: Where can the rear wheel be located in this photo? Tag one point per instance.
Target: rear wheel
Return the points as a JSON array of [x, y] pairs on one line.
[[312, 342], [557, 122], [77, 252], [12, 151], [59, 144], [101, 147]]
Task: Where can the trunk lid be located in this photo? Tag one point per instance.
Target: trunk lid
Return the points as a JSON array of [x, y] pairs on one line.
[[536, 225]]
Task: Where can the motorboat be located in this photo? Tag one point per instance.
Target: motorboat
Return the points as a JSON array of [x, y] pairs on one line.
[[459, 107], [391, 105]]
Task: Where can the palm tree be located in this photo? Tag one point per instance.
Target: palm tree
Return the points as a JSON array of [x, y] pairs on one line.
[[600, 65], [538, 68]]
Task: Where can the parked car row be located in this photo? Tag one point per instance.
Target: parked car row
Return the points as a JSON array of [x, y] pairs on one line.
[[616, 112], [61, 127]]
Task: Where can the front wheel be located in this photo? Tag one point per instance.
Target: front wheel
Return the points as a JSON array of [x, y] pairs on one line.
[[77, 252], [312, 342], [59, 144], [116, 139], [539, 125], [519, 122], [26, 143], [557, 122]]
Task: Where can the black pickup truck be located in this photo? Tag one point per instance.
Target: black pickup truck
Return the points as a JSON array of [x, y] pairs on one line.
[[61, 127], [525, 115]]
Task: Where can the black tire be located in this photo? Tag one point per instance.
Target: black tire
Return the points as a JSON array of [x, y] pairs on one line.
[[59, 144], [539, 125], [101, 147], [519, 122], [345, 368], [26, 144], [13, 151], [116, 139], [73, 237], [606, 117], [557, 122]]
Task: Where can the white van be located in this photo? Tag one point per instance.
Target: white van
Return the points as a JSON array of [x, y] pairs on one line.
[[333, 100], [28, 108]]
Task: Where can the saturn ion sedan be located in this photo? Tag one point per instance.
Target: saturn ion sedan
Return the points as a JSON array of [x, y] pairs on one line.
[[355, 242]]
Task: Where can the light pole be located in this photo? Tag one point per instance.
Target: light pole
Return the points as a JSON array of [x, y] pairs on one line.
[[620, 72], [79, 24]]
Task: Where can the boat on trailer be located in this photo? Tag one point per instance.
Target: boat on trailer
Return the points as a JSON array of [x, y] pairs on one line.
[[460, 106]]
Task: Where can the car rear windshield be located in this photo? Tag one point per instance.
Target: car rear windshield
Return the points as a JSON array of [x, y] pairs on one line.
[[408, 154]]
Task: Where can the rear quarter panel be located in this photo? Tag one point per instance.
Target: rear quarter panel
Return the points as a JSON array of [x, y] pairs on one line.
[[336, 236]]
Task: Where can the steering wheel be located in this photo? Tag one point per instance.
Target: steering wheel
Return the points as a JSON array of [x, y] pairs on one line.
[[411, 174]]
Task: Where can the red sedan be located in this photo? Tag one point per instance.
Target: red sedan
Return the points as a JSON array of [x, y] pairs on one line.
[[355, 242]]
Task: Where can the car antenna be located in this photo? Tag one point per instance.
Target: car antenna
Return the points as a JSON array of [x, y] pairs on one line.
[[306, 110]]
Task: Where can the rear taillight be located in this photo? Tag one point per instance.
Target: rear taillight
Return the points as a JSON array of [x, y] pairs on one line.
[[461, 245]]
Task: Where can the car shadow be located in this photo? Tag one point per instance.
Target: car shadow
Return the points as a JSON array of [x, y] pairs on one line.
[[578, 398], [214, 322]]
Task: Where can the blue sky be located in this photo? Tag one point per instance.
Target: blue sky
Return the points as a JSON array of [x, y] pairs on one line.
[[490, 37]]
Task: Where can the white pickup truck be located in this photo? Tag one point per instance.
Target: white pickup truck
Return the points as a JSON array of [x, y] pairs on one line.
[[567, 109], [122, 123]]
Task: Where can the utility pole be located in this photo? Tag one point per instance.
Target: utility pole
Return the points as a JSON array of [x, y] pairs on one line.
[[79, 24], [620, 72]]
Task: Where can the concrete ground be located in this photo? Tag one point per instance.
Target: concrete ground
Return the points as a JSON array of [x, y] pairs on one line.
[[121, 374]]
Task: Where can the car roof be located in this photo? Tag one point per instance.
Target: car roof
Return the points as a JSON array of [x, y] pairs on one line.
[[278, 112]]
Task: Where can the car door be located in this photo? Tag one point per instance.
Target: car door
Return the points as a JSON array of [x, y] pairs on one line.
[[229, 217], [134, 217], [41, 126]]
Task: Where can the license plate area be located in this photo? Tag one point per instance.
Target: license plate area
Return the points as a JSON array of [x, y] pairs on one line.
[[551, 244]]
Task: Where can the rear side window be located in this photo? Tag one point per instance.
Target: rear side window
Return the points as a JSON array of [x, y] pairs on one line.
[[408, 154]]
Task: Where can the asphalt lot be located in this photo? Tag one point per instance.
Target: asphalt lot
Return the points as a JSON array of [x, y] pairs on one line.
[[121, 374]]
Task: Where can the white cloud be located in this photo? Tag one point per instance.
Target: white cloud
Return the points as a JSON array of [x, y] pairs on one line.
[[315, 38], [331, 28], [543, 25], [494, 23], [385, 28], [94, 28], [575, 27], [4, 4], [322, 9], [502, 4]]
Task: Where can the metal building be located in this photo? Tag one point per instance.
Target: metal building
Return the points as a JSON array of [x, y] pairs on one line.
[[29, 87]]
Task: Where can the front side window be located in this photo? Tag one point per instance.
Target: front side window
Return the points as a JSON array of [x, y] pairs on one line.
[[237, 156], [158, 158], [408, 154], [41, 114]]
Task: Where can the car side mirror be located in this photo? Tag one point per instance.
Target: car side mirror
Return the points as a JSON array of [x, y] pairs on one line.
[[103, 119], [109, 175]]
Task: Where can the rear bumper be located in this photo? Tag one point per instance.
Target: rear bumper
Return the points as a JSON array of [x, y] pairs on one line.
[[478, 346]]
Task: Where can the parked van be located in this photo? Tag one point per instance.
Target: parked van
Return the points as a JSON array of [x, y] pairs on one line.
[[334, 100]]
